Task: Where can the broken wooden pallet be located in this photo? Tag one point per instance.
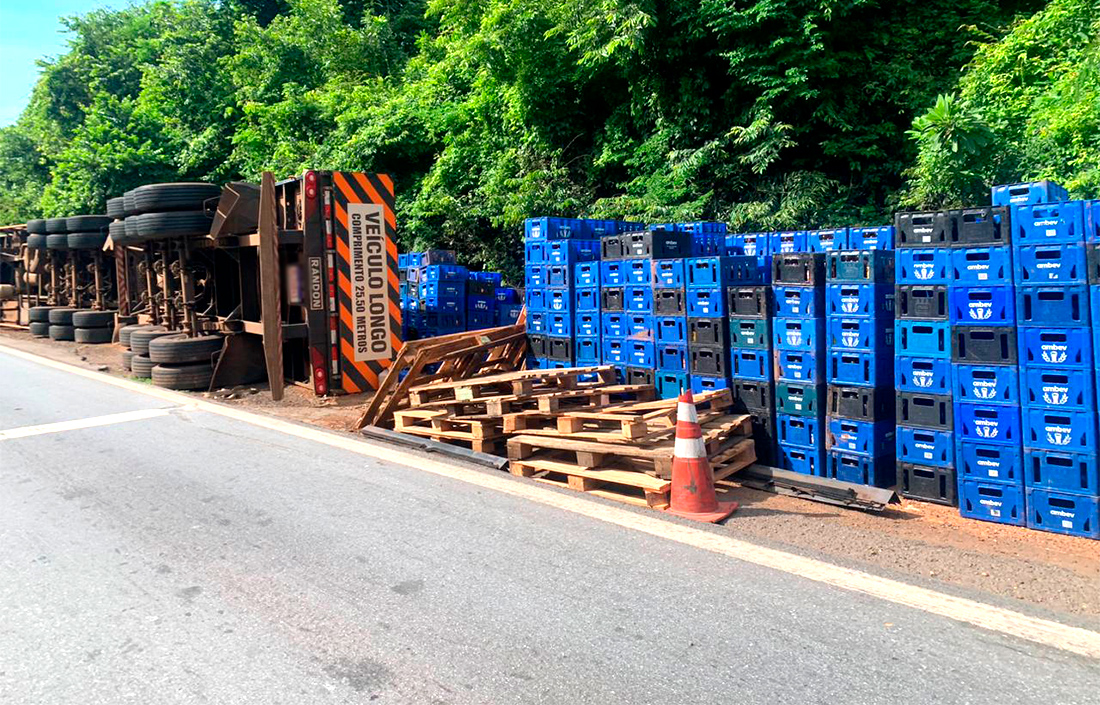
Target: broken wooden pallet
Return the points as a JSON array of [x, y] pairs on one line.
[[426, 422], [734, 459], [612, 483], [519, 383]]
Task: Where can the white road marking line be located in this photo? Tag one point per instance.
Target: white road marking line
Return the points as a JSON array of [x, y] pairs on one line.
[[76, 424], [1046, 632]]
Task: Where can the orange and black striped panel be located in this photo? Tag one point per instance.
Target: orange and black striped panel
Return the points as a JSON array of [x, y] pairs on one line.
[[350, 188]]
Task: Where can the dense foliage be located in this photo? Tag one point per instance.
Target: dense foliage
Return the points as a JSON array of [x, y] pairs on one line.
[[763, 113]]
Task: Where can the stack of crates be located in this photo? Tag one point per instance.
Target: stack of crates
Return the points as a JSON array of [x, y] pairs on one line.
[[508, 306], [670, 327], [922, 366], [859, 302], [1057, 377], [481, 299], [750, 309], [986, 382], [552, 248], [708, 348], [798, 333], [441, 293]]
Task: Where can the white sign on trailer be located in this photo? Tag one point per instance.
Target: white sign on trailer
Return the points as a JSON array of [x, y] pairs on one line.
[[369, 309]]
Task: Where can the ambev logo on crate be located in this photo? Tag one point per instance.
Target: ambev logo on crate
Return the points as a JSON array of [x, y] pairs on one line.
[[987, 429], [1055, 395], [981, 310], [984, 389], [1054, 353], [1059, 435]]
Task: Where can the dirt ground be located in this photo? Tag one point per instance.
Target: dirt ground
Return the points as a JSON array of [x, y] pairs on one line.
[[917, 539]]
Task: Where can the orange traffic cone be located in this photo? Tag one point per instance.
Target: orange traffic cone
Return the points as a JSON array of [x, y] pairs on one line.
[[693, 495]]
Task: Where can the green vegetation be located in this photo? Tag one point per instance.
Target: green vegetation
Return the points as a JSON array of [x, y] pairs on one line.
[[765, 113]]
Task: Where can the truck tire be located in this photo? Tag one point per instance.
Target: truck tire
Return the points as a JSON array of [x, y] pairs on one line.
[[158, 198], [125, 332], [117, 231], [55, 226], [97, 336], [37, 241], [94, 319], [40, 314], [86, 223], [36, 226], [131, 227], [57, 241], [141, 366], [139, 340], [126, 357], [179, 349], [162, 226], [62, 332], [116, 208], [128, 203], [86, 241], [61, 316], [193, 377], [39, 329]]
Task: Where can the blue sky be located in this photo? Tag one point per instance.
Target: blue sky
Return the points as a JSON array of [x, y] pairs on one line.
[[29, 30]]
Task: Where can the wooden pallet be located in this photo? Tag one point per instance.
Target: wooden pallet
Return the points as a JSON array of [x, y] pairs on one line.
[[592, 425], [520, 383], [434, 421], [734, 459], [621, 485]]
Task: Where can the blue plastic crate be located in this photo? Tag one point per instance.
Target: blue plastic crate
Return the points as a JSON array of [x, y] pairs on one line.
[[671, 329], [790, 241], [987, 384], [586, 350], [923, 265], [706, 245], [867, 438], [801, 459], [706, 272], [851, 299], [443, 304], [924, 446], [494, 278], [672, 357], [827, 240], [1063, 513], [704, 383], [537, 323], [1028, 193], [641, 353], [861, 470], [923, 339], [869, 334], [805, 431], [1048, 264], [878, 237], [988, 501], [638, 326], [547, 228], [443, 272], [859, 368], [534, 276], [981, 266], [1048, 223], [586, 299], [402, 261], [748, 270], [1052, 305], [799, 366], [639, 272], [751, 363], [1068, 431], [671, 384], [1062, 472], [668, 273], [613, 351], [560, 324], [799, 334], [638, 299], [505, 295], [560, 300], [442, 289], [799, 302], [1092, 221], [983, 305], [1059, 389], [535, 299], [415, 259], [587, 323], [706, 303], [615, 325], [988, 423], [704, 227], [559, 275], [989, 462], [507, 314], [572, 251], [613, 273], [586, 274], [1056, 347], [929, 375], [755, 244], [481, 303]]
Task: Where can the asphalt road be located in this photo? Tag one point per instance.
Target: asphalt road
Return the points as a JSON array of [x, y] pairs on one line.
[[192, 558]]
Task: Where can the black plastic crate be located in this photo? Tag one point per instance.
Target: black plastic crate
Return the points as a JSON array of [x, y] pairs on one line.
[[656, 244], [988, 345], [752, 394], [749, 301], [928, 484], [537, 345], [611, 247], [928, 229], [872, 266], [799, 269], [861, 403], [933, 411], [980, 227], [559, 348], [612, 299], [640, 375], [763, 434], [1093, 252], [707, 331], [669, 302], [922, 302], [709, 360], [800, 399], [429, 257]]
